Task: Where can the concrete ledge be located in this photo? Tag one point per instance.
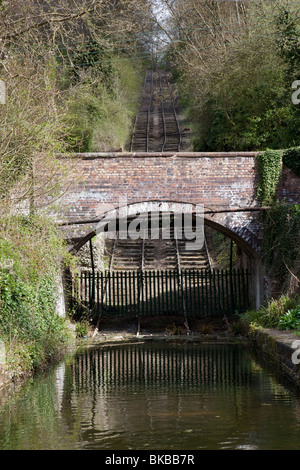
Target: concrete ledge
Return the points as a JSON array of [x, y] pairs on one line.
[[277, 346]]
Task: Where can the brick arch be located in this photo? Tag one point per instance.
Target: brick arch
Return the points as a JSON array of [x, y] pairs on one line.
[[242, 227], [225, 183]]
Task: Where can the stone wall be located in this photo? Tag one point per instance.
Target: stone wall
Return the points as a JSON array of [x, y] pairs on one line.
[[279, 348]]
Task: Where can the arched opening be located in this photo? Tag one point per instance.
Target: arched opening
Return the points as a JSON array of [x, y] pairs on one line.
[[106, 251]]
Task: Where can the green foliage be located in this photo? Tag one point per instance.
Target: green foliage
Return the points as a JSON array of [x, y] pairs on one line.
[[269, 173], [81, 328], [240, 99], [288, 39], [270, 315], [101, 111], [290, 320], [291, 159], [80, 139], [32, 245], [93, 55], [281, 239], [29, 325]]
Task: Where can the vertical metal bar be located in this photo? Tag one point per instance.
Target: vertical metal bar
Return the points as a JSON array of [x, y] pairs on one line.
[[190, 291], [122, 293], [210, 293], [145, 274], [159, 292], [228, 292], [97, 294], [185, 297], [177, 290], [109, 290], [142, 292], [223, 291], [102, 291], [203, 303], [239, 291], [126, 291], [194, 293], [220, 303], [206, 293], [235, 289], [175, 298], [154, 292], [130, 287], [167, 292], [116, 291], [89, 290], [197, 311], [150, 293], [113, 292], [215, 293], [134, 292], [162, 291], [85, 289]]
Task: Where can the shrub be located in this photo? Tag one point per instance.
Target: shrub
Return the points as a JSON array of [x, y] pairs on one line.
[[291, 159], [29, 326], [269, 316], [81, 329], [290, 320]]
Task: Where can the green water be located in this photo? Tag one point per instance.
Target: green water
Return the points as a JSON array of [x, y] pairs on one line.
[[154, 396]]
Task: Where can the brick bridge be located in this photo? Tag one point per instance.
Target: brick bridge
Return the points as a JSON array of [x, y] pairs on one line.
[[224, 183]]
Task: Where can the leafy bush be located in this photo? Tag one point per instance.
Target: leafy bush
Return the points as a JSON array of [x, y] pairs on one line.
[[81, 329], [290, 320], [270, 315], [291, 159], [101, 110], [32, 331]]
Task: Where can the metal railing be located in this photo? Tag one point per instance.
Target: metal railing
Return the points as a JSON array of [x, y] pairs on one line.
[[186, 293]]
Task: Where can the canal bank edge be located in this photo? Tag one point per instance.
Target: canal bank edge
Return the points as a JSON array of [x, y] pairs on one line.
[[281, 348]]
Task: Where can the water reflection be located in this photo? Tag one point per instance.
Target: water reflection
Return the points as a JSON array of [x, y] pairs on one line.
[[112, 368], [154, 396]]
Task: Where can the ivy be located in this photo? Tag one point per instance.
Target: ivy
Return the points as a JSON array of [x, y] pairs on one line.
[[269, 174], [291, 159], [281, 240]]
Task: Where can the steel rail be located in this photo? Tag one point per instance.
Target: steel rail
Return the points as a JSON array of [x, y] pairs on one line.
[[135, 119], [162, 116], [177, 122], [149, 112]]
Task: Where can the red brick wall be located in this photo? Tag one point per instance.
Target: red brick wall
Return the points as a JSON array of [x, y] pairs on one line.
[[289, 188], [214, 180], [94, 183]]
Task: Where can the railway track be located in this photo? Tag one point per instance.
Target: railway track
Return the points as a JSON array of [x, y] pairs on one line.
[[156, 127]]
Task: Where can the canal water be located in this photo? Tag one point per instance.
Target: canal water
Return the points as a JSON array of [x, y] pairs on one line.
[[152, 396]]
